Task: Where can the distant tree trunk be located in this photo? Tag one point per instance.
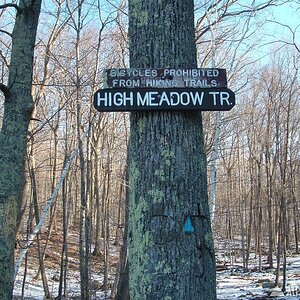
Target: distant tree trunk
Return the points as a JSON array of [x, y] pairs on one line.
[[64, 251], [98, 217], [122, 281], [250, 218], [296, 217], [269, 197], [213, 171], [31, 167], [28, 230], [167, 169], [84, 236], [13, 137], [120, 215]]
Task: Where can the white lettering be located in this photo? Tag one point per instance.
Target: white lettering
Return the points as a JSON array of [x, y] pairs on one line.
[[173, 96], [209, 73], [109, 99], [215, 72], [166, 72], [154, 73], [160, 83], [169, 83], [118, 99], [99, 99], [142, 101], [163, 98], [172, 72], [148, 82], [185, 72], [152, 98], [122, 82], [186, 82], [113, 73], [135, 83], [197, 98], [194, 72], [129, 98], [126, 82], [214, 96], [194, 82], [129, 71], [115, 82], [214, 83], [185, 96], [224, 96], [199, 83]]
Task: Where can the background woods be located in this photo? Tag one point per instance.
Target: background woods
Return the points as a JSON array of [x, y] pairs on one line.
[[256, 191]]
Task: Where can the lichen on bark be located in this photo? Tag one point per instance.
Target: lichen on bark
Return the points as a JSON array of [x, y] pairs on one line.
[[167, 168], [13, 136]]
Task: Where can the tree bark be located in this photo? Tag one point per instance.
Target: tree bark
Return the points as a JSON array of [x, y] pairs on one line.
[[167, 169], [13, 137]]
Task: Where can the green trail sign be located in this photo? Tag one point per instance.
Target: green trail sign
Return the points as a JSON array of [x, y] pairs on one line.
[[141, 99]]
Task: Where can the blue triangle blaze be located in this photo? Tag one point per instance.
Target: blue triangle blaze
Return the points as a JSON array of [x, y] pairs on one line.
[[188, 226]]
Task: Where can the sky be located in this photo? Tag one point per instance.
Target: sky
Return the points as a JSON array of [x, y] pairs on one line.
[[287, 15]]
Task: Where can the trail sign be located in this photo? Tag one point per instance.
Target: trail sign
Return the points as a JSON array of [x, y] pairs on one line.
[[165, 78], [164, 99]]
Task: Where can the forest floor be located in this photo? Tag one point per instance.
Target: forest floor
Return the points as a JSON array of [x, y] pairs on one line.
[[232, 281]]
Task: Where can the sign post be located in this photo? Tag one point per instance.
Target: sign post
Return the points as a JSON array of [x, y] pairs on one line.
[[202, 89]]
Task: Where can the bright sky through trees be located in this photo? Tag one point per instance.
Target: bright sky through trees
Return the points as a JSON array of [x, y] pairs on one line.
[[284, 25]]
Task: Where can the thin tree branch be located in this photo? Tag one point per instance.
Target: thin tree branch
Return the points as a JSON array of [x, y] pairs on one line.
[[6, 32], [201, 29], [7, 5], [5, 90], [292, 31], [6, 62]]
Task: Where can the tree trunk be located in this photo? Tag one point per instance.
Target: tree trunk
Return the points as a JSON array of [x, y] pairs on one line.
[[31, 167], [213, 171], [167, 169], [64, 251], [13, 137], [122, 279]]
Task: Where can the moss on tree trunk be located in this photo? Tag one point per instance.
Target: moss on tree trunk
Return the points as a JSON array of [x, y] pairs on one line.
[[167, 169], [13, 137]]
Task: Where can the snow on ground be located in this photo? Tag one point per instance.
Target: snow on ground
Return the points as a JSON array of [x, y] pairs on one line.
[[34, 289], [232, 282]]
